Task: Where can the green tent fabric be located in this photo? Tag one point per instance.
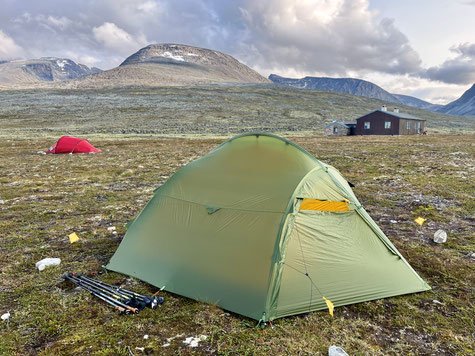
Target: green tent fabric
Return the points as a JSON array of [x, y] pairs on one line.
[[227, 229]]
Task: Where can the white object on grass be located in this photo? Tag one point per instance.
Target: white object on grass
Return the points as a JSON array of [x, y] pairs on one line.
[[6, 316], [194, 341], [336, 351], [440, 236], [45, 262]]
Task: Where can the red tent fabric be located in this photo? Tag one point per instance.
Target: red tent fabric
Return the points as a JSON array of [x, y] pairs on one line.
[[67, 144]]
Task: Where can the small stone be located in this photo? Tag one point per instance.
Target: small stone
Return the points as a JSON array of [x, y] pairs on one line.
[[393, 221], [145, 337], [435, 301]]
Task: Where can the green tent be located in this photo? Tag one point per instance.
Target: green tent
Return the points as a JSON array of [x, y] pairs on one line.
[[260, 227]]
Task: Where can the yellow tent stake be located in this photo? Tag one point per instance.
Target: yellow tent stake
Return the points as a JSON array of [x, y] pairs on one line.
[[420, 220], [330, 306], [73, 237]]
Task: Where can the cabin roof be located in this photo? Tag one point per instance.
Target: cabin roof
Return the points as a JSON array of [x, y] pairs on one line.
[[338, 123], [400, 115]]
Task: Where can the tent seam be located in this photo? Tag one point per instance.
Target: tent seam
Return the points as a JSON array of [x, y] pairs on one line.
[[221, 207], [276, 266]]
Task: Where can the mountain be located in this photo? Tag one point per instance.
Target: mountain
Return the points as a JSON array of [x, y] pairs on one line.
[[343, 85], [172, 64], [46, 69], [353, 86], [464, 106], [415, 102]]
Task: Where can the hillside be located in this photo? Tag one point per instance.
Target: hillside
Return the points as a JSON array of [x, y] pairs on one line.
[[465, 105], [342, 85], [193, 110], [46, 69], [416, 102], [353, 86], [172, 64]]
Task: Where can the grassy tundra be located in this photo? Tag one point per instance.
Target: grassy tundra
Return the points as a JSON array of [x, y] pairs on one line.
[[45, 198]]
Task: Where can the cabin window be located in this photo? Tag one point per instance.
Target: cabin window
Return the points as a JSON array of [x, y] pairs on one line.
[[387, 124], [417, 125], [335, 129], [367, 125], [408, 125]]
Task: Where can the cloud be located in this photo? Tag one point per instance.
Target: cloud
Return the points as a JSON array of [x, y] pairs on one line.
[[458, 70], [59, 22], [8, 48], [334, 37], [149, 7], [88, 60], [118, 40], [286, 37]]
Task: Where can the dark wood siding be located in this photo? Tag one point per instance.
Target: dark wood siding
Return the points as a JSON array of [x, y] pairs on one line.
[[377, 121], [403, 130]]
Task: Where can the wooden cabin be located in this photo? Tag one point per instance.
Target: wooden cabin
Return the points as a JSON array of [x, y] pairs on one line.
[[384, 122]]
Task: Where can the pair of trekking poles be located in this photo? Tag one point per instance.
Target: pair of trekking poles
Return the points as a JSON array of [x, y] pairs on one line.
[[123, 300]]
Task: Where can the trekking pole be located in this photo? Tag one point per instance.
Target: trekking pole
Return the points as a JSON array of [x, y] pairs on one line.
[[133, 299], [109, 299], [121, 309], [130, 301], [110, 286], [121, 299], [151, 301], [148, 299], [112, 291], [97, 291], [114, 287]]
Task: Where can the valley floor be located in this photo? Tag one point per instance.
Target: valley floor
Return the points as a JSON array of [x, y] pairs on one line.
[[43, 198]]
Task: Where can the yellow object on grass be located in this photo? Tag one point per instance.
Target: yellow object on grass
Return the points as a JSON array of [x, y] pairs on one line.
[[323, 205], [420, 220], [330, 306], [73, 237]]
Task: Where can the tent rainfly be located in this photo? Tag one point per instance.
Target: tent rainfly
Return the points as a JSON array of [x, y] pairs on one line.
[[67, 144], [262, 228]]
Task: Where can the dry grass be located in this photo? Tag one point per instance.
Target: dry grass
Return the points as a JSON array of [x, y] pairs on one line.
[[202, 110], [397, 178]]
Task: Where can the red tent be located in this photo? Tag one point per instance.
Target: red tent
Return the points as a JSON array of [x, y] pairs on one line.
[[67, 144]]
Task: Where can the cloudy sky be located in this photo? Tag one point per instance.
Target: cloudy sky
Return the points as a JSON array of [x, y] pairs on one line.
[[424, 48]]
